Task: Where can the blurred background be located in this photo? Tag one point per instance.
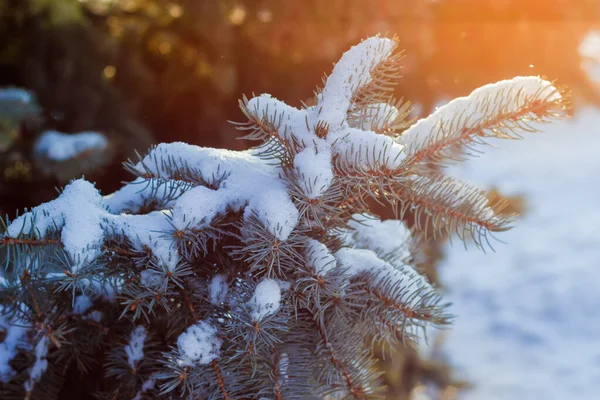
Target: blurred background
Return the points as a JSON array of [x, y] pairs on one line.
[[86, 83]]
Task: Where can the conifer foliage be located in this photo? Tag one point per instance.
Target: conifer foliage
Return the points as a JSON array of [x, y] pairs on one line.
[[256, 274]]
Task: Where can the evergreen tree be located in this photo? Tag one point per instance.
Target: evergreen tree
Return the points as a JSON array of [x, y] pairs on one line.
[[257, 274]]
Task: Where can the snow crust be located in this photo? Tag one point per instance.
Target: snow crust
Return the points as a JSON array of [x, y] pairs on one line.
[[265, 300], [60, 146], [199, 344], [528, 325]]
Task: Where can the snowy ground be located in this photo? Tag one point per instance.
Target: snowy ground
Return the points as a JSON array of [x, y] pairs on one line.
[[528, 316]]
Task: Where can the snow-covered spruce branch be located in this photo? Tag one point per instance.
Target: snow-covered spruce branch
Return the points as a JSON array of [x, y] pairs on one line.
[[260, 273], [502, 110]]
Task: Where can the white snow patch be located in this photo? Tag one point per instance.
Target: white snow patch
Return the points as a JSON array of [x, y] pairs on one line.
[[291, 122], [77, 213], [80, 216], [240, 174], [40, 365], [150, 278], [319, 257], [199, 344], [377, 116], [135, 348], [313, 165], [284, 364], [148, 231], [14, 331], [357, 261], [82, 304], [265, 300], [390, 238], [366, 149], [349, 73], [95, 316], [148, 384]]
